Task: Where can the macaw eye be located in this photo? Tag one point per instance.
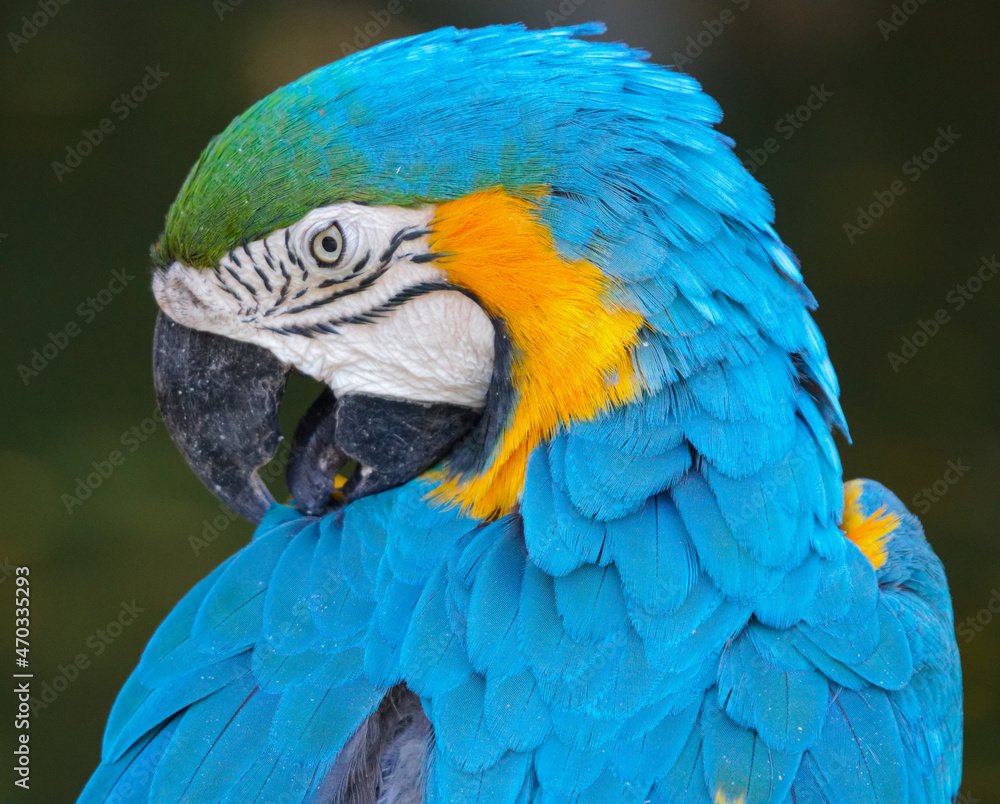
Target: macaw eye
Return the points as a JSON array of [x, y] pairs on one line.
[[328, 246]]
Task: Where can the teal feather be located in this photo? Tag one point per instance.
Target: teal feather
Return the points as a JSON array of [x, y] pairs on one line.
[[607, 484], [171, 653], [461, 730], [648, 758], [515, 713], [492, 637], [544, 529], [591, 603], [740, 765], [433, 657], [502, 782], [655, 557], [130, 777], [139, 709], [685, 782], [786, 708], [275, 671], [848, 769], [550, 651], [789, 602], [287, 620], [733, 569], [214, 746], [234, 606], [338, 612], [581, 731], [563, 770]]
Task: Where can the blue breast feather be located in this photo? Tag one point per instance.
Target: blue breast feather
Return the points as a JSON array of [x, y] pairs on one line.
[[671, 615]]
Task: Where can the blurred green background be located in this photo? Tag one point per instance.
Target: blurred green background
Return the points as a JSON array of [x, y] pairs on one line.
[[881, 91]]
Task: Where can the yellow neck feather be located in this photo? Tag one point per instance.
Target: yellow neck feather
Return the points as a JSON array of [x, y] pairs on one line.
[[869, 533], [571, 350]]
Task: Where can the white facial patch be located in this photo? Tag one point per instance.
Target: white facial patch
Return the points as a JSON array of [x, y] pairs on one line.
[[349, 295]]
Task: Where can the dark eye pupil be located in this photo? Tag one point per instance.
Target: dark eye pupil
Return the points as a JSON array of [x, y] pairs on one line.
[[329, 244]]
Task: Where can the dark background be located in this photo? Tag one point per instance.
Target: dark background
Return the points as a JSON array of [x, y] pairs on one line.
[[62, 236]]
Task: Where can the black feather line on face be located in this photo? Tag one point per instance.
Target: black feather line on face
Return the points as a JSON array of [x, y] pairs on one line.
[[283, 293], [362, 263], [249, 288], [221, 281], [341, 279], [364, 284], [369, 316], [403, 235], [263, 277], [429, 257]]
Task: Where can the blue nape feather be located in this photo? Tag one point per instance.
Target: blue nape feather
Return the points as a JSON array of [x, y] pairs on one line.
[[671, 613]]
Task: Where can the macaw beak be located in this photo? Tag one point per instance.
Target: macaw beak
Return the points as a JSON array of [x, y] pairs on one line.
[[220, 400]]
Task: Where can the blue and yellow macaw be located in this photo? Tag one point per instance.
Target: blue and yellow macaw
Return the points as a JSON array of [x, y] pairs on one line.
[[568, 520]]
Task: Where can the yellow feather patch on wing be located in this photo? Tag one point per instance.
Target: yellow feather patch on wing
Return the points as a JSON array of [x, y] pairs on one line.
[[868, 533], [571, 346]]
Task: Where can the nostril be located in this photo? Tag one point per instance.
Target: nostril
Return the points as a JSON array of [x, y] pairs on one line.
[[182, 295], [176, 296]]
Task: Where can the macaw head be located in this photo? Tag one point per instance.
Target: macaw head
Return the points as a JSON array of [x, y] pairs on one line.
[[473, 239]]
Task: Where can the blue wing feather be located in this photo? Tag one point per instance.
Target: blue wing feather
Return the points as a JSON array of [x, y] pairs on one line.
[[739, 764], [215, 743], [515, 712]]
